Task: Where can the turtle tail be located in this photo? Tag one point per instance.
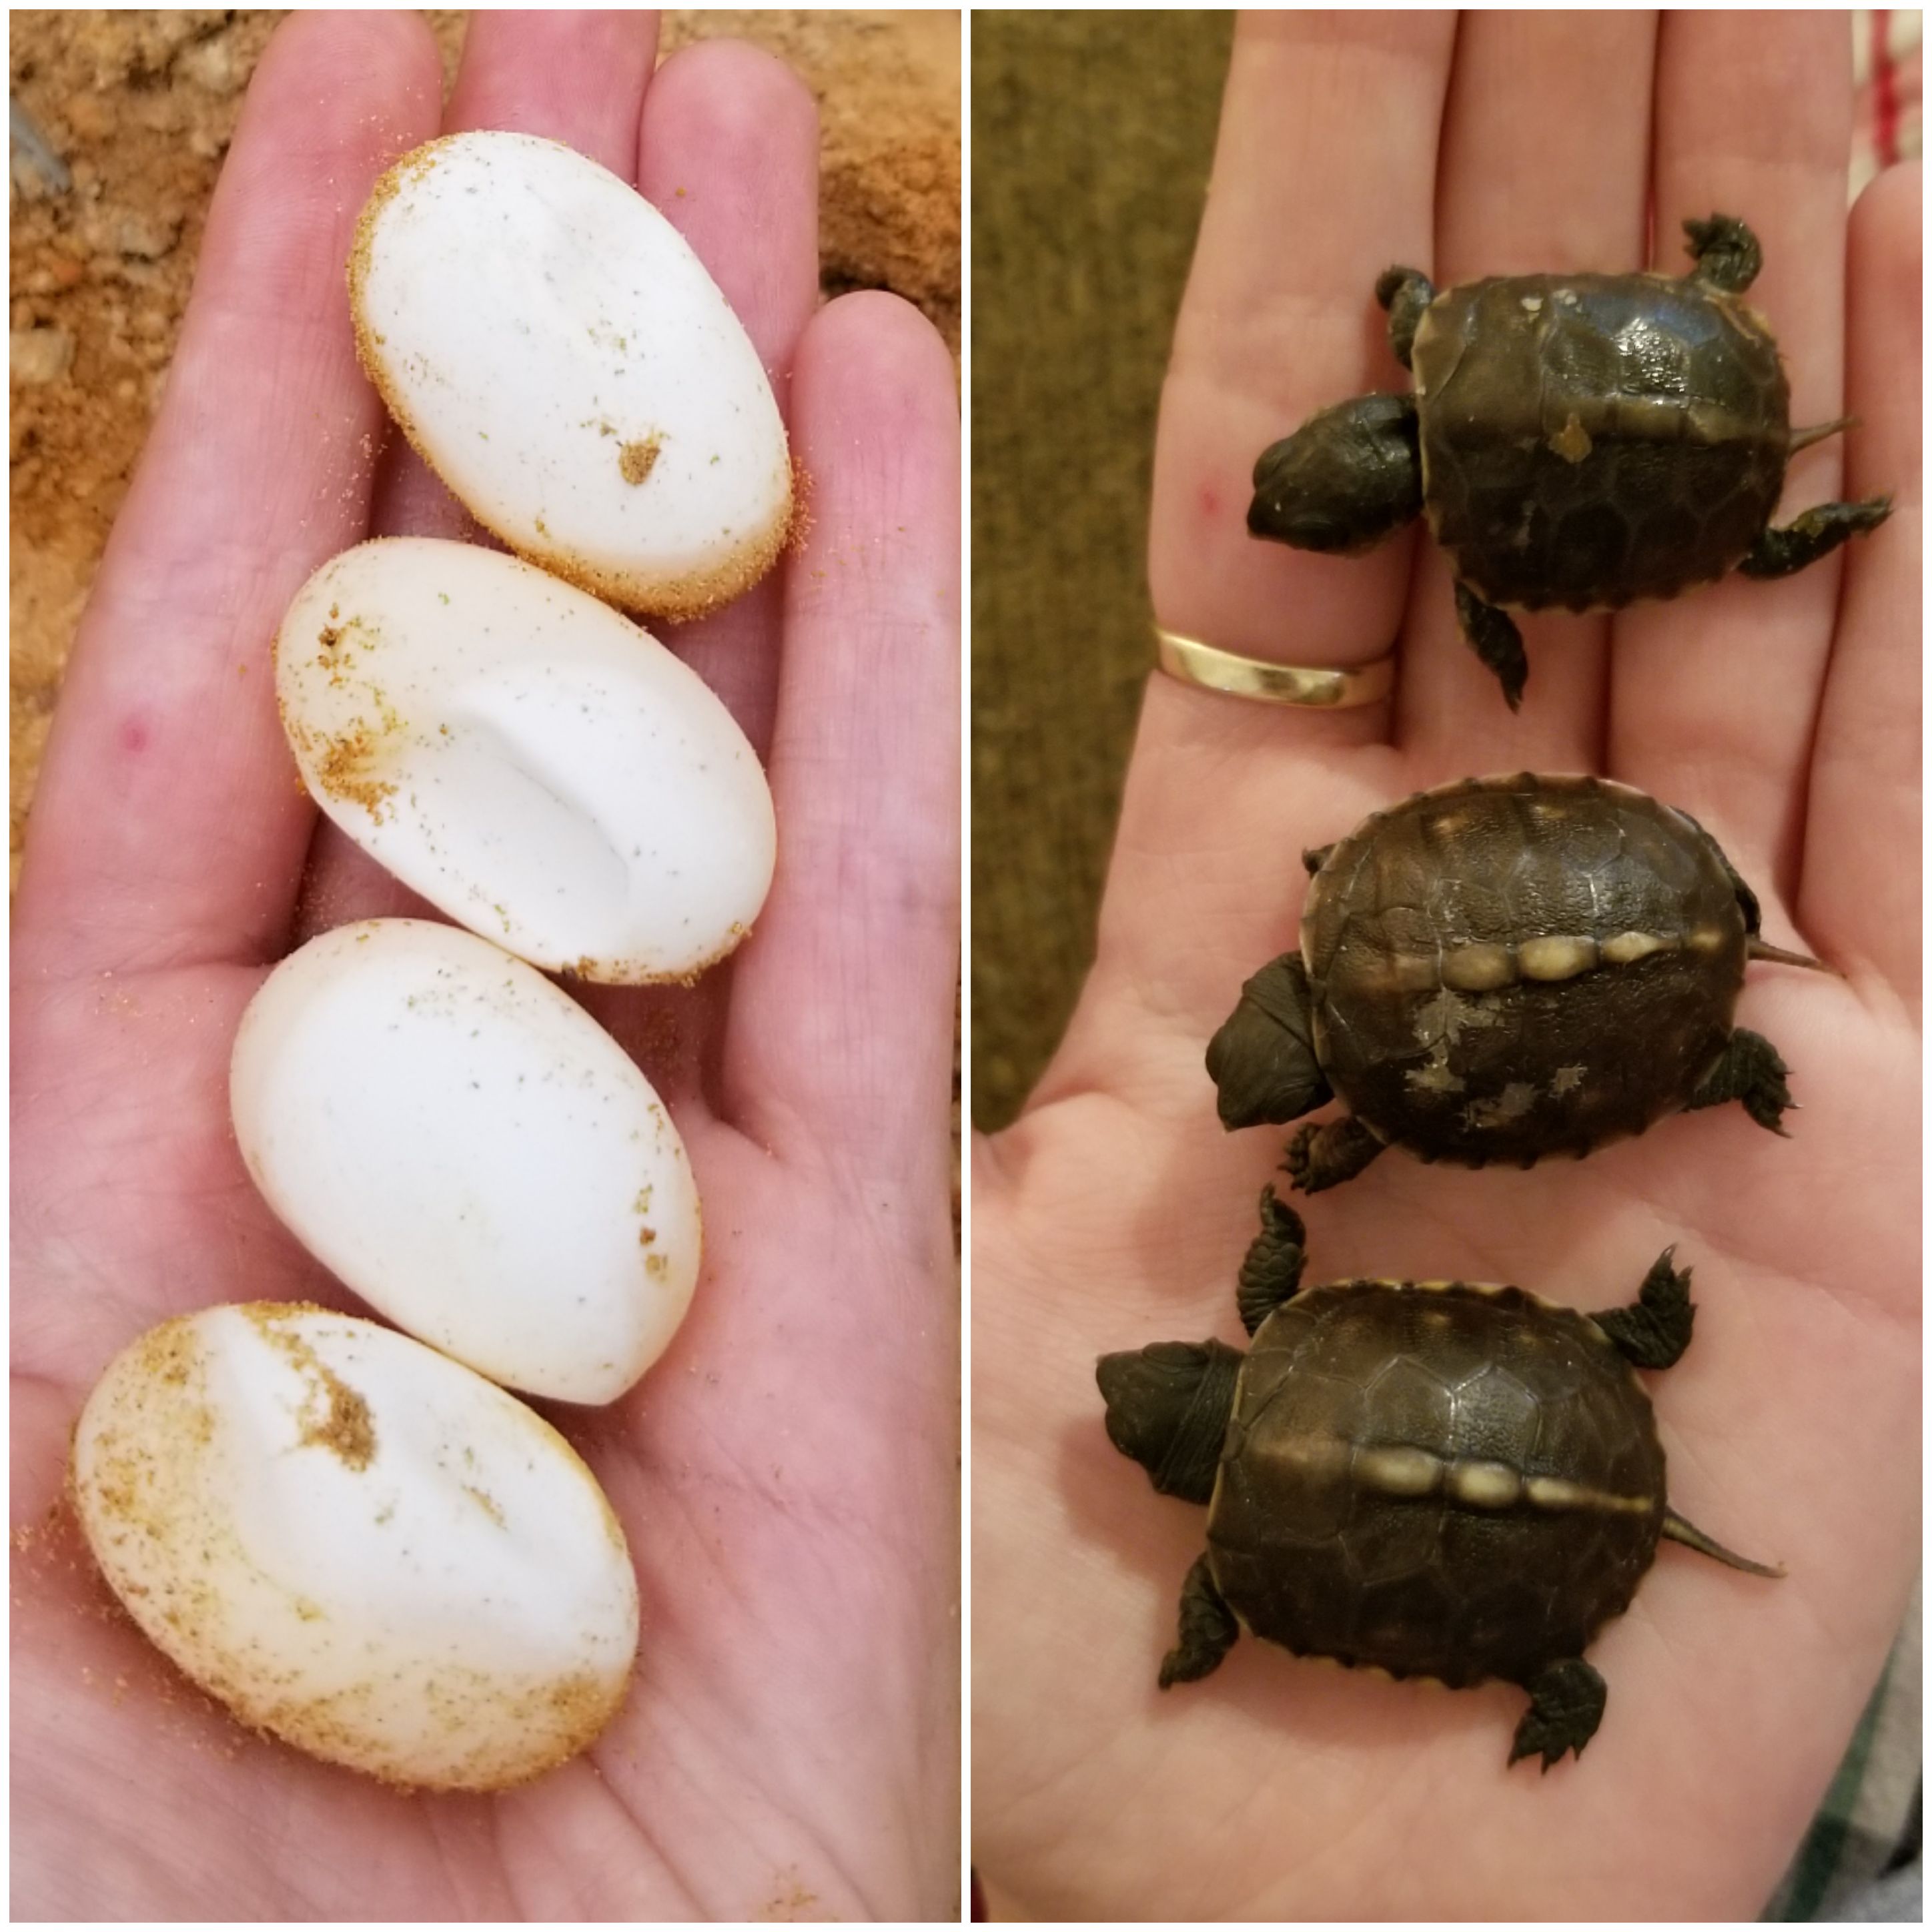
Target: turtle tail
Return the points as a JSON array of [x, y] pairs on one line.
[[1756, 948], [1692, 1537]]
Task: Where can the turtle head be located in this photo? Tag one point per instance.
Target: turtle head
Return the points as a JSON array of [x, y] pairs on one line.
[[1168, 1407], [1348, 477], [1262, 1061]]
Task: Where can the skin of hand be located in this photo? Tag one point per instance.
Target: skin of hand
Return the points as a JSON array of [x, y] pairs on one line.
[[1786, 717], [787, 1473]]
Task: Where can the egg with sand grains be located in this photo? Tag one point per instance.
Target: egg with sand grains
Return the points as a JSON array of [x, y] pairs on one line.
[[459, 1142], [357, 1545], [561, 360]]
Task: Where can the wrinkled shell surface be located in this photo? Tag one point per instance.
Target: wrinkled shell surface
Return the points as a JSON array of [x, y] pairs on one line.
[[464, 1146], [1588, 439], [1444, 1480], [357, 1545], [529, 761], [1506, 968], [559, 357]]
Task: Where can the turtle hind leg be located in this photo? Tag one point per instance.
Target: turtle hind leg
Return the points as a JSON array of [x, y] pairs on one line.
[[1655, 1329], [1324, 1157], [1494, 638], [1817, 532], [1752, 1071], [1207, 1630], [1271, 1271], [1566, 1705], [1726, 252], [1405, 293]]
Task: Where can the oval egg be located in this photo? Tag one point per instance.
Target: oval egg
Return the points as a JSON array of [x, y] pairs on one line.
[[464, 1146], [559, 357], [357, 1545], [529, 761]]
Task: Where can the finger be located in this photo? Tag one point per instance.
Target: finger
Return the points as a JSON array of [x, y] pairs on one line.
[[839, 1042], [1545, 168], [170, 825], [1323, 176], [1858, 898], [1714, 700], [1324, 173], [729, 153], [577, 77]]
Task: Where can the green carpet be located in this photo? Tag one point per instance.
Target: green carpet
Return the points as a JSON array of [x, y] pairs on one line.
[[1092, 137]]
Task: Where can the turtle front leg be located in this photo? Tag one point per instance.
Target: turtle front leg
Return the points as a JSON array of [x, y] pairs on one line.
[[1566, 1705], [1495, 640], [1405, 293], [1325, 1156], [1271, 1271], [1655, 1329], [1814, 533], [1726, 252], [1751, 1071], [1207, 1630]]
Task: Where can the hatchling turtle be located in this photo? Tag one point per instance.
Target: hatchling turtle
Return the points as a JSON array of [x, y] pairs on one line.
[[1581, 440], [1438, 1479], [1500, 970]]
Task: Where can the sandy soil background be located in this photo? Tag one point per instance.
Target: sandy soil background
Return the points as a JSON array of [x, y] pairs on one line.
[[138, 106]]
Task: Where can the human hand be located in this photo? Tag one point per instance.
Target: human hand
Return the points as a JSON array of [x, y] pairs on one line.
[[1785, 717], [785, 1475]]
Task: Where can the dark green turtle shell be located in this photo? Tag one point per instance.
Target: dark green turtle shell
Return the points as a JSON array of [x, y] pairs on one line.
[[1441, 1479], [1587, 439], [1503, 969]]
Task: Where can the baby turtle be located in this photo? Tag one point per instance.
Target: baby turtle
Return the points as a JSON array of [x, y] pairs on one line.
[[1502, 969], [1579, 440], [1437, 1479]]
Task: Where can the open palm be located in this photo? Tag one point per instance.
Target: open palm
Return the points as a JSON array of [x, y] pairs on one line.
[[1784, 717], [786, 1474]]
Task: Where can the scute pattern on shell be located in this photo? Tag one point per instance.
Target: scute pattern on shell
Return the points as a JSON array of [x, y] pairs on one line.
[[1521, 1067], [1322, 1537], [1589, 440]]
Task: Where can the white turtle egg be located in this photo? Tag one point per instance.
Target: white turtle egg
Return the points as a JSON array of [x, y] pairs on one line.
[[529, 761], [559, 357], [357, 1545], [464, 1146]]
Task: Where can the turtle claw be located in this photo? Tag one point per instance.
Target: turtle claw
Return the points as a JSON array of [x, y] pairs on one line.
[[1323, 1156], [1752, 1071], [1495, 639], [1566, 1705]]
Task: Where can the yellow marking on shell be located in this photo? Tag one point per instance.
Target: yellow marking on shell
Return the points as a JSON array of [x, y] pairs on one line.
[[1566, 1080], [1556, 956], [1485, 1485], [1628, 947], [1316, 1455], [1399, 1471], [1553, 1492], [1531, 305], [1706, 939], [1572, 442], [1477, 967]]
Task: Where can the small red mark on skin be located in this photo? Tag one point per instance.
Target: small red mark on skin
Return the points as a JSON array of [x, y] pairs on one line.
[[1210, 503], [134, 735]]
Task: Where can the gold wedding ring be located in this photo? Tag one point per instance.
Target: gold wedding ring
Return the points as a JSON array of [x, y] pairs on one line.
[[1193, 662]]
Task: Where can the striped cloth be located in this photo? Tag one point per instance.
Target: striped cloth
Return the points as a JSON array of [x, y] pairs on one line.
[[1860, 1861], [1885, 68]]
